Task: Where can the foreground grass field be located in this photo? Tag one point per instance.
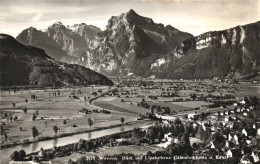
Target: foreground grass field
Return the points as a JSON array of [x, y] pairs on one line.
[[52, 111]]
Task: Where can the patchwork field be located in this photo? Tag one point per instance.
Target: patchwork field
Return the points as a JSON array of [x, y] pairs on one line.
[[52, 111], [116, 105], [191, 104]]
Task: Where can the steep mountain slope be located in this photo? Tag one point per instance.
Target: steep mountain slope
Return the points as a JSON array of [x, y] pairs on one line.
[[69, 41], [129, 44], [39, 39], [27, 65], [89, 32], [232, 53]]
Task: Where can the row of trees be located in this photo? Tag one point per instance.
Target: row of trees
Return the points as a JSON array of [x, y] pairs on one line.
[[35, 131]]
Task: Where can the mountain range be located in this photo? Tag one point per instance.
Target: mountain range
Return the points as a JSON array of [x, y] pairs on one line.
[[27, 65], [133, 45]]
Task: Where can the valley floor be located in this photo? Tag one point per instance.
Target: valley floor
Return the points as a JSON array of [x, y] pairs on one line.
[[69, 109]]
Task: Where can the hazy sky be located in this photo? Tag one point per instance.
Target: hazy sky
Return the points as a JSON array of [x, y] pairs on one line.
[[193, 16]]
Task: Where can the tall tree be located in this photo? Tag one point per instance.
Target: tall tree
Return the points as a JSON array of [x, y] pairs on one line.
[[22, 154], [185, 139], [90, 122], [151, 135], [34, 117], [122, 120], [14, 156], [200, 132], [160, 136], [35, 132], [55, 129], [25, 110]]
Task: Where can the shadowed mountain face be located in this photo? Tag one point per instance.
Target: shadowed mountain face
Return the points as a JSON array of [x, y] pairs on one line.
[[27, 65], [232, 53]]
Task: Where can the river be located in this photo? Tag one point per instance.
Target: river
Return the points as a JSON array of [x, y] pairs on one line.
[[28, 148]]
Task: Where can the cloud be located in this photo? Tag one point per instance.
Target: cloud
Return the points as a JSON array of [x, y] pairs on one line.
[[194, 16], [37, 17]]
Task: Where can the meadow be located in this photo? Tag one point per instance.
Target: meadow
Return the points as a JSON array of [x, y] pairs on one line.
[[61, 111]]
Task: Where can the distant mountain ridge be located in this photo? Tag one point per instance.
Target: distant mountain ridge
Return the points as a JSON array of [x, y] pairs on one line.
[[60, 42], [133, 45], [27, 65], [231, 53]]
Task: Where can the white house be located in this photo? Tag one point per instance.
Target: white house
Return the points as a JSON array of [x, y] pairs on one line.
[[229, 137], [258, 131], [244, 132], [243, 102], [248, 142], [238, 110], [194, 125], [191, 115], [232, 152], [212, 145], [236, 139], [168, 137], [176, 140], [254, 126], [227, 144], [255, 157], [226, 119], [165, 117], [229, 154]]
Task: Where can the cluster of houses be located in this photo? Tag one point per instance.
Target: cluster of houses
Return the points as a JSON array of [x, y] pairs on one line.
[[238, 130]]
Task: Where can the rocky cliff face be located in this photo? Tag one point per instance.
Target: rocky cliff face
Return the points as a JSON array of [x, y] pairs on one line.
[[68, 40], [130, 43], [27, 65], [34, 37], [66, 44], [88, 32], [232, 53]]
